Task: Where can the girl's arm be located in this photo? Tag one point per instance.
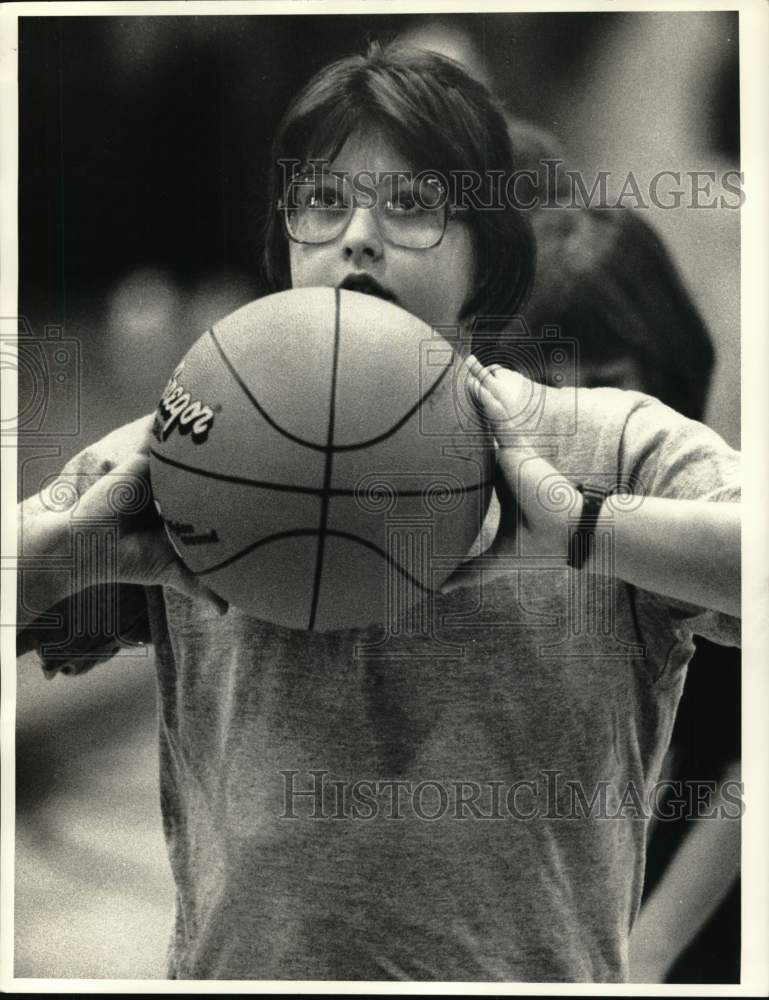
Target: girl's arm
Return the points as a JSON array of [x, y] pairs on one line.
[[688, 550], [692, 888], [685, 549], [88, 504], [42, 537]]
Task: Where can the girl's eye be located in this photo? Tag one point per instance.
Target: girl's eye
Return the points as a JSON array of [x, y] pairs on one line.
[[308, 196], [425, 198], [403, 204], [327, 197]]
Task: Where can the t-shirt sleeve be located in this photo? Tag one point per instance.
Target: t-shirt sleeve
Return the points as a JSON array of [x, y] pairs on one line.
[[671, 456], [92, 626]]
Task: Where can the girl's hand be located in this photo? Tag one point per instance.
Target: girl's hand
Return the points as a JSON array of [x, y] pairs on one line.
[[536, 501], [119, 497]]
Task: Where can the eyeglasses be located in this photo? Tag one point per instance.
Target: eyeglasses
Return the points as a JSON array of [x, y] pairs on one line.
[[410, 212]]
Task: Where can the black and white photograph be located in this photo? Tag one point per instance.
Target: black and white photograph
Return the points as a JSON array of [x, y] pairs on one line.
[[376, 381]]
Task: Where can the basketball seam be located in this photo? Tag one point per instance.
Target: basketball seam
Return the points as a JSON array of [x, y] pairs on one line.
[[356, 446], [319, 491], [325, 499], [305, 532]]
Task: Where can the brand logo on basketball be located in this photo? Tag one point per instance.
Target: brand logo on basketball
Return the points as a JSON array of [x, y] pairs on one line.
[[188, 534], [177, 409]]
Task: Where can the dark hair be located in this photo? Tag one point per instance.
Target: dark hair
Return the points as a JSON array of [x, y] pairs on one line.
[[607, 280], [439, 117]]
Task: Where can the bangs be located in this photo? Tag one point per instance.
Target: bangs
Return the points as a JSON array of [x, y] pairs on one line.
[[433, 128], [323, 138]]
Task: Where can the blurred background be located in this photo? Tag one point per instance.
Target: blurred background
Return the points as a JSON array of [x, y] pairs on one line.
[[144, 149]]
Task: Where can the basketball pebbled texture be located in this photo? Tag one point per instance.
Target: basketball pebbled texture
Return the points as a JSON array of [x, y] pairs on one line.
[[318, 462]]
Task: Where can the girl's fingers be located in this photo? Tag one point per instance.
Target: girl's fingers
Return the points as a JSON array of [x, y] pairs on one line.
[[136, 436], [466, 575], [122, 492], [498, 391], [481, 371], [180, 578], [494, 408], [474, 366], [148, 558], [122, 498], [497, 561]]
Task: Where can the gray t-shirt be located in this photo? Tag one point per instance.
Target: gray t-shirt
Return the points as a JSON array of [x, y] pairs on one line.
[[460, 799]]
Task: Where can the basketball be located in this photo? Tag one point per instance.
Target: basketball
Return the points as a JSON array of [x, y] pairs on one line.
[[317, 461]]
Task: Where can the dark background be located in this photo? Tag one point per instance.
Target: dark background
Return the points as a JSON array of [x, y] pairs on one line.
[[146, 140]]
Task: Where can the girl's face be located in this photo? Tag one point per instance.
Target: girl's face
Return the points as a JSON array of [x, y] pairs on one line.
[[431, 284]]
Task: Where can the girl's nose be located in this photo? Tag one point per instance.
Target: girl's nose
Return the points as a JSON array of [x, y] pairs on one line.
[[361, 239]]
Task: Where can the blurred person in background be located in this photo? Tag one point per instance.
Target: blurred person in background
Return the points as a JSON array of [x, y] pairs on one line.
[[457, 901], [606, 279]]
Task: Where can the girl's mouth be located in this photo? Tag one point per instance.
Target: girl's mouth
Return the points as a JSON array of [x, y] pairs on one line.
[[367, 285]]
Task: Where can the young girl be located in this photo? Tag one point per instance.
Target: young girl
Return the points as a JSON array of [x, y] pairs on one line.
[[467, 804]]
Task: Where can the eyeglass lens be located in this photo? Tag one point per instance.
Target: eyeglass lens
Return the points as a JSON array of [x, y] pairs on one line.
[[410, 213]]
